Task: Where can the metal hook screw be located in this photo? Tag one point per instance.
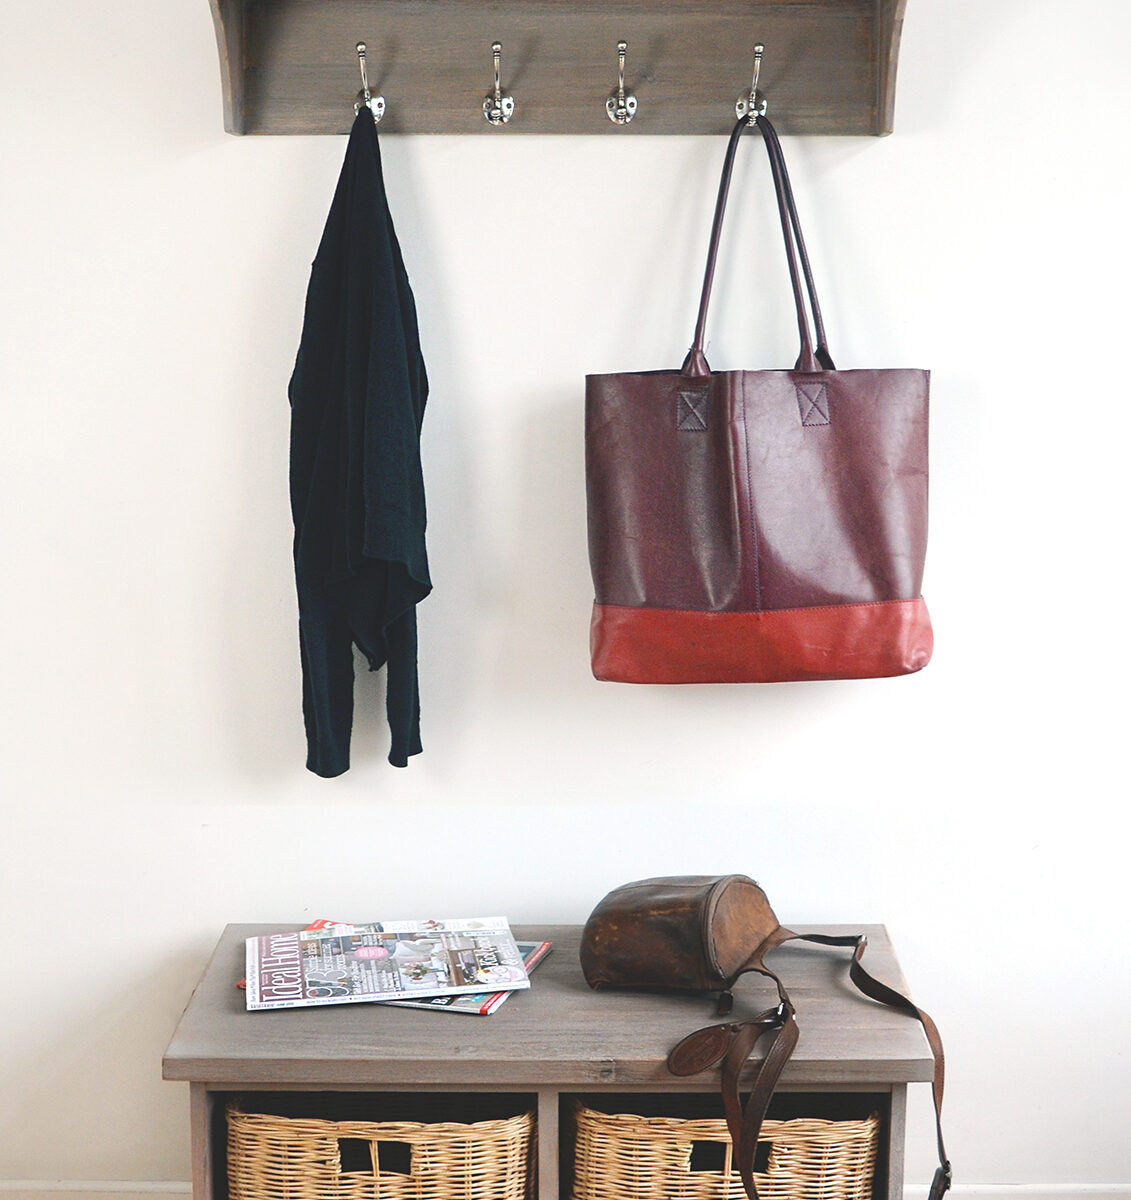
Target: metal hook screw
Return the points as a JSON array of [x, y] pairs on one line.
[[375, 104], [752, 104], [621, 105], [497, 108]]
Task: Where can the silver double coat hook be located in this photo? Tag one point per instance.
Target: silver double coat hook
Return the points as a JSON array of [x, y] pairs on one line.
[[497, 108], [375, 104], [752, 104], [621, 105]]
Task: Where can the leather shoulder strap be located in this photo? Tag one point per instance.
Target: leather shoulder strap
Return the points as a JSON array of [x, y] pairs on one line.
[[874, 989], [733, 1044]]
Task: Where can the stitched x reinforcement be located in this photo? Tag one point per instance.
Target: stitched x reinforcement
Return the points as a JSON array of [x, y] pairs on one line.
[[691, 411], [813, 401]]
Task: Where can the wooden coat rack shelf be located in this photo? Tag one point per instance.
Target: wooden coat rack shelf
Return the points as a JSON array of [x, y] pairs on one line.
[[289, 66]]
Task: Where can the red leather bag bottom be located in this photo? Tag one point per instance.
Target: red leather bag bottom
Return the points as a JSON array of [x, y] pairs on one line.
[[844, 641]]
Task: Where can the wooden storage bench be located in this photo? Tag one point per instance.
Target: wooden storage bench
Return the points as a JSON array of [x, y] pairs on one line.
[[543, 1051]]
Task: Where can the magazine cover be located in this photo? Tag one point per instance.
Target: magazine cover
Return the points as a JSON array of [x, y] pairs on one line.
[[379, 961], [479, 1003]]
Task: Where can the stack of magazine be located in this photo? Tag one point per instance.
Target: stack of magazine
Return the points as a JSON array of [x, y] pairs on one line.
[[468, 965]]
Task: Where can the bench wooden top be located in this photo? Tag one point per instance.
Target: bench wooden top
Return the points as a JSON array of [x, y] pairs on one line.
[[558, 1034]]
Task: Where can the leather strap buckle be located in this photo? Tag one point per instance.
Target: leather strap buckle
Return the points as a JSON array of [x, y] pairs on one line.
[[940, 1185]]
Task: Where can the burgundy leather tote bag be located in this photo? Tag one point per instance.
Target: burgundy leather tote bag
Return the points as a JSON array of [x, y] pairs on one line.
[[758, 526]]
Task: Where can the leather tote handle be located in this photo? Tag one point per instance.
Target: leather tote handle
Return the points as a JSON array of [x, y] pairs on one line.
[[785, 189], [811, 359]]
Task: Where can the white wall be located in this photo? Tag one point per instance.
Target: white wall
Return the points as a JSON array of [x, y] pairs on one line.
[[153, 278]]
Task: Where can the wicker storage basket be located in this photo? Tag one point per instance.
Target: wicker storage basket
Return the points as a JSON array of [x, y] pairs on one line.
[[627, 1157], [300, 1158]]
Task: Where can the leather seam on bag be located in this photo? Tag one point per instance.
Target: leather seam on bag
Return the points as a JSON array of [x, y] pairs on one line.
[[758, 612], [710, 905], [755, 541]]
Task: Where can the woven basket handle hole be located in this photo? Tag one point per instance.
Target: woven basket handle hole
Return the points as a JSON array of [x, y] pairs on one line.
[[359, 1156], [711, 1156], [708, 1156]]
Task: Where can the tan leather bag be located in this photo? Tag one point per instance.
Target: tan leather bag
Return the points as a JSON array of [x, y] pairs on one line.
[[702, 933]]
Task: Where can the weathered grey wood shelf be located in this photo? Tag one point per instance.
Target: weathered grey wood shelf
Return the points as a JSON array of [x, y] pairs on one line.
[[548, 1045], [289, 66]]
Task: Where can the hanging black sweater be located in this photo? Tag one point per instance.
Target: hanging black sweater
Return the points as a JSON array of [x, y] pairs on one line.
[[357, 491]]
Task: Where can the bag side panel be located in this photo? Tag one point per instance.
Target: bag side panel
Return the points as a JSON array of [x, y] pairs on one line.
[[839, 506], [741, 922], [664, 504]]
